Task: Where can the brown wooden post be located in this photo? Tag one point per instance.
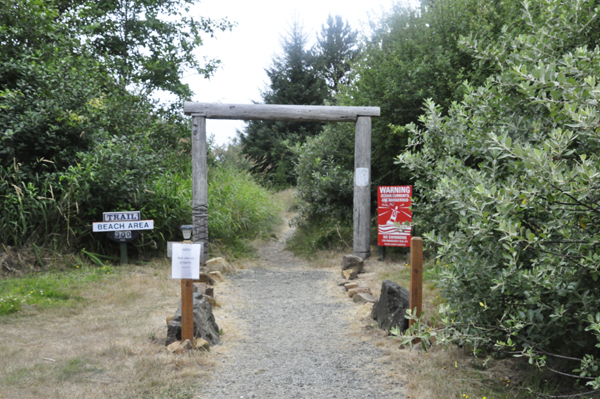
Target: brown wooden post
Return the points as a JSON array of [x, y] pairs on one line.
[[187, 310], [362, 188], [200, 185], [416, 276]]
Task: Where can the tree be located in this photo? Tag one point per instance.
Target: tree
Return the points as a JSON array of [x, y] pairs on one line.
[[145, 43], [509, 181], [77, 135], [412, 54], [336, 49], [294, 79]]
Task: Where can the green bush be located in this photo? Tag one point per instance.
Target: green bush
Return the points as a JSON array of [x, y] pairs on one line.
[[325, 173], [510, 188]]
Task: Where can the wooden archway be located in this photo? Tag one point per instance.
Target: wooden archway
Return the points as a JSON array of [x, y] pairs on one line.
[[361, 116]]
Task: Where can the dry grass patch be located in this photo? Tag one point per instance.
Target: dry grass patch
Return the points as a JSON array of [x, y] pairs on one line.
[[109, 346]]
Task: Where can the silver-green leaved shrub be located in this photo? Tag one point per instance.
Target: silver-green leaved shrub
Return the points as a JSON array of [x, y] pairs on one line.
[[509, 192]]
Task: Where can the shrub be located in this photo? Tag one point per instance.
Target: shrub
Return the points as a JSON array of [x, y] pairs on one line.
[[324, 173], [510, 182]]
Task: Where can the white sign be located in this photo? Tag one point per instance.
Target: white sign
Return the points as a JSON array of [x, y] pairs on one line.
[[362, 177], [123, 216], [185, 262], [99, 227]]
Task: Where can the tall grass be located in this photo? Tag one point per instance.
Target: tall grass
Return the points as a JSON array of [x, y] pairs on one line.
[[239, 209], [37, 211], [56, 211]]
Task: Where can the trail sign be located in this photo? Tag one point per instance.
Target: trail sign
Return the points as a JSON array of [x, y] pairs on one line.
[[122, 227], [100, 227], [121, 216], [394, 217]]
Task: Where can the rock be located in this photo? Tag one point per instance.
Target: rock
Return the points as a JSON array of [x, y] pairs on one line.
[[363, 297], [200, 288], [183, 347], [218, 265], [169, 320], [349, 274], [201, 344], [216, 276], [213, 302], [204, 322], [359, 290], [210, 291], [390, 309], [205, 278], [349, 286], [354, 263], [172, 347], [342, 283]]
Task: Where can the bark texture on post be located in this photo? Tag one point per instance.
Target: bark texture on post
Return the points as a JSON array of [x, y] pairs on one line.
[[200, 185], [362, 187]]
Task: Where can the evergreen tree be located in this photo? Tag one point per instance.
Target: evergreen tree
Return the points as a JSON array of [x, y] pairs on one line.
[[335, 50], [294, 79]]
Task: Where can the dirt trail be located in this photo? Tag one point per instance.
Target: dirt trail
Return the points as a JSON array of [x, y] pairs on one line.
[[293, 337]]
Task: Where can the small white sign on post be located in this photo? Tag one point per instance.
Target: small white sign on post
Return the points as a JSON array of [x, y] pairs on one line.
[[185, 263]]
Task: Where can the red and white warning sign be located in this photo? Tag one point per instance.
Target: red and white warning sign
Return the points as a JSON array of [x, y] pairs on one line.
[[394, 217]]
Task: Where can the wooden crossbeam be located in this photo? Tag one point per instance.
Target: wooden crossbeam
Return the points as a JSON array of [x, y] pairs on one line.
[[302, 113]]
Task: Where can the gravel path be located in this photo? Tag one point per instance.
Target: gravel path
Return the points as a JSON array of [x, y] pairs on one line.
[[296, 341]]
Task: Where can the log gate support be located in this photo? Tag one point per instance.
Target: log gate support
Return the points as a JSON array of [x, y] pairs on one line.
[[361, 116]]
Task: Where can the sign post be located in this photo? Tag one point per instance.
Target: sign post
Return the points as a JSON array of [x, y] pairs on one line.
[[416, 277], [122, 227], [394, 229], [185, 264]]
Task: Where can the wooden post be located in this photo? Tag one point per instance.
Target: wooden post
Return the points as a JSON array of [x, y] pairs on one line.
[[187, 310], [416, 276], [200, 185], [362, 187], [381, 253], [276, 112], [123, 248]]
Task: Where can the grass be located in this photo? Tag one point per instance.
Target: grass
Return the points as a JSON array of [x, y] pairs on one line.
[[105, 341], [45, 290]]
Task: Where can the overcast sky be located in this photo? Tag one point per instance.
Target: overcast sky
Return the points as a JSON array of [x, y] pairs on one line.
[[249, 48]]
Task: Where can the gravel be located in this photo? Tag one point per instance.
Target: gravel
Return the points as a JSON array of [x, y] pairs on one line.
[[297, 342]]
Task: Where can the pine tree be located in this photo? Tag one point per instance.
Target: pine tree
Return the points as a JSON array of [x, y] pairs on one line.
[[335, 50], [294, 79]]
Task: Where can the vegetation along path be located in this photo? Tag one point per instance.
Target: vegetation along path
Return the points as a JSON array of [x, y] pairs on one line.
[[294, 338]]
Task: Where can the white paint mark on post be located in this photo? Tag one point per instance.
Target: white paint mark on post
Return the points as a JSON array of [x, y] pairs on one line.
[[185, 263], [362, 177]]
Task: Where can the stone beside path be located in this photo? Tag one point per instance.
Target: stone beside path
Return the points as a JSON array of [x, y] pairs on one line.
[[294, 338]]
